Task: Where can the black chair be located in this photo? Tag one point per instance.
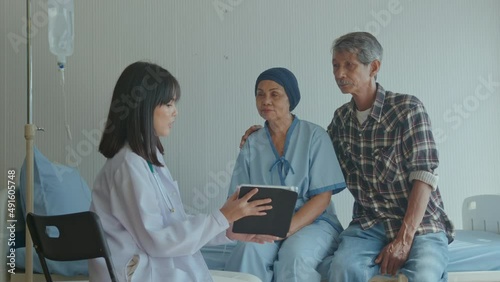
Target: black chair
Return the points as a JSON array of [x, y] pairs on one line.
[[69, 237]]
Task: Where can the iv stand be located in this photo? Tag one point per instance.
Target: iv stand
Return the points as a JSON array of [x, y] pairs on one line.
[[29, 135]]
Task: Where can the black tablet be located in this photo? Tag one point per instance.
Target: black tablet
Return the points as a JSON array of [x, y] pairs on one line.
[[277, 220]]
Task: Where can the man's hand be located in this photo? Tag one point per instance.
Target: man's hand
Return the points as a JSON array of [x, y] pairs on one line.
[[249, 131], [393, 256]]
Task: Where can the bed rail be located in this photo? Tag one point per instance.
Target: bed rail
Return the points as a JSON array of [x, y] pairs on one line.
[[482, 212]]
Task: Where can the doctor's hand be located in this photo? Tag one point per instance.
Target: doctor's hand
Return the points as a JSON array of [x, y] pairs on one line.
[[249, 131], [235, 208], [255, 238]]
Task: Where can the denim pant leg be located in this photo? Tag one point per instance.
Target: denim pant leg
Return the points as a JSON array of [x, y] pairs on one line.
[[253, 258], [354, 260], [428, 258], [301, 253]]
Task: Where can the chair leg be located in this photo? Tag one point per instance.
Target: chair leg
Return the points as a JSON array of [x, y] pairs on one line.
[[111, 269], [45, 268]]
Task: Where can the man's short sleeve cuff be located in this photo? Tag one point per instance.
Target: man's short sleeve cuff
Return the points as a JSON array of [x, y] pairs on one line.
[[426, 177]]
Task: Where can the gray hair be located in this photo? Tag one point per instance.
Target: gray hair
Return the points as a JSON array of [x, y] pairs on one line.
[[363, 44]]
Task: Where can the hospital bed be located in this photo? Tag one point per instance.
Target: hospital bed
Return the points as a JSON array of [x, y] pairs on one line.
[[474, 254]]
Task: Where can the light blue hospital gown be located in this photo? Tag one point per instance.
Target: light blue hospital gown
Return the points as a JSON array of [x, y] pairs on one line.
[[309, 163]]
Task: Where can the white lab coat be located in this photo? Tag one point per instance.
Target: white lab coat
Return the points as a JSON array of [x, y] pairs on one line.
[[138, 223]]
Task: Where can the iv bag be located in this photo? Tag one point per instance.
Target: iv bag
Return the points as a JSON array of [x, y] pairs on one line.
[[61, 29]]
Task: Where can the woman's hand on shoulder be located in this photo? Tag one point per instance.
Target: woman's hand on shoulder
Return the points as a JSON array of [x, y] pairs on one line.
[[236, 208]]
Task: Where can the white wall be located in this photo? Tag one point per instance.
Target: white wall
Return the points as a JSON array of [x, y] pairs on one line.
[[444, 52]]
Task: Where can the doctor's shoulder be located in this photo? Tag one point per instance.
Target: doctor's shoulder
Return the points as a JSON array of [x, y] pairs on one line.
[[125, 161]]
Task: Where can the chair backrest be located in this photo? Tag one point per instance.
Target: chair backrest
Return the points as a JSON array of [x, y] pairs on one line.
[[481, 212], [69, 237]]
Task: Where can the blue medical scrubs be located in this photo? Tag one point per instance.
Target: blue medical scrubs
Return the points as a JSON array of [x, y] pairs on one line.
[[309, 163]]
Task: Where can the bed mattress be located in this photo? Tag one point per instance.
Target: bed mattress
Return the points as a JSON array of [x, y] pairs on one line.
[[474, 251]]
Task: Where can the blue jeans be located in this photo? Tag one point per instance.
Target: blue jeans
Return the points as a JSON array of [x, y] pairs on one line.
[[355, 257], [294, 259]]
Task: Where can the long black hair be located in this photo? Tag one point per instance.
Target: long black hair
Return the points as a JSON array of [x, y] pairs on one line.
[[139, 90]]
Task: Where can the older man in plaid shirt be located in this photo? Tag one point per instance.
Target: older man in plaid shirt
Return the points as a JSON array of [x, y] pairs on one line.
[[386, 149]]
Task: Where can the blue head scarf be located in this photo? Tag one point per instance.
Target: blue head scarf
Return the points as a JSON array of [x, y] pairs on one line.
[[286, 79]]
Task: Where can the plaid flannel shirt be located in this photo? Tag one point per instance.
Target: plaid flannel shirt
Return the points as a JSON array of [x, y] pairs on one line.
[[381, 158]]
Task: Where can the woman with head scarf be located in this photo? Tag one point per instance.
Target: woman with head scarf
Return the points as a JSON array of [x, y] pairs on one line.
[[288, 151]]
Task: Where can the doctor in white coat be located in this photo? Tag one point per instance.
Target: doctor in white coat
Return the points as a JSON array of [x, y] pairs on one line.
[[150, 236]]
